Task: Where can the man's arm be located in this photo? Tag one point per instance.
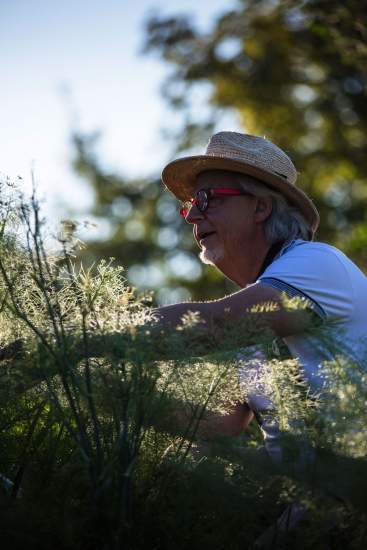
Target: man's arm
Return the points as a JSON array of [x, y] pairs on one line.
[[259, 302]]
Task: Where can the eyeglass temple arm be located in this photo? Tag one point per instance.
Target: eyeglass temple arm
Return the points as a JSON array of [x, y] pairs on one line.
[[227, 191]]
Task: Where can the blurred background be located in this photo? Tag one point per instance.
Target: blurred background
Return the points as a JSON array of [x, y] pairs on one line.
[[96, 96]]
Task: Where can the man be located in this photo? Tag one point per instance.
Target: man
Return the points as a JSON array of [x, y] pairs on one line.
[[254, 224]]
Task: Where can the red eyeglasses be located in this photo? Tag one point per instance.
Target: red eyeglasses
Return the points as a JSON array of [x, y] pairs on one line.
[[203, 196]]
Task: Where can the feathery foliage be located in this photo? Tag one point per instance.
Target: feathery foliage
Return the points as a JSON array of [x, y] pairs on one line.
[[105, 420]]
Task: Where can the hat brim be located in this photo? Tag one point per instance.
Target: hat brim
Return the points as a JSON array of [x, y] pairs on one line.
[[179, 176]]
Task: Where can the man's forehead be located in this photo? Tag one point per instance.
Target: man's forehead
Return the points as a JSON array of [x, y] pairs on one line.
[[218, 178]]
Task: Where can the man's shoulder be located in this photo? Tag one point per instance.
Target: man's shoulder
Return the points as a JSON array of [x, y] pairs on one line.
[[315, 266], [312, 255], [309, 247], [320, 272], [300, 270]]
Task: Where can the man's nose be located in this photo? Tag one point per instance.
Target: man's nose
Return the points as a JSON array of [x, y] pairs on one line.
[[194, 215]]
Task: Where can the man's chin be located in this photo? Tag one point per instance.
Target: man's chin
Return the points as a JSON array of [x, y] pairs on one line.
[[211, 257]]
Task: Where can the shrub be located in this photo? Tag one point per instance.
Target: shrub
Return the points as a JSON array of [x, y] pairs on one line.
[[102, 415]]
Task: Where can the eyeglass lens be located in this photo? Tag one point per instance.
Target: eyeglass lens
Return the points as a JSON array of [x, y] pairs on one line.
[[201, 202]]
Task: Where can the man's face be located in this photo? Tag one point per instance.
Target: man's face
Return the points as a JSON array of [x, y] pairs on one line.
[[226, 228]]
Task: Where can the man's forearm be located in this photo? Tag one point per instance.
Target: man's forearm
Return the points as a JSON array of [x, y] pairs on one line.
[[255, 305]]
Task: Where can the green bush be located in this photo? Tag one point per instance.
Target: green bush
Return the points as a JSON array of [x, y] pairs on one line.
[[103, 416]]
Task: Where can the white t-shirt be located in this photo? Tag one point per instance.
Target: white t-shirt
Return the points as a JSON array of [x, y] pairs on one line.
[[336, 289]]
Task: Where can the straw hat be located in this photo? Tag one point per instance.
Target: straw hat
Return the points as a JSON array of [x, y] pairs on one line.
[[251, 155]]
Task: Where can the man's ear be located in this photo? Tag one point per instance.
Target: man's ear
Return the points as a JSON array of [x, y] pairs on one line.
[[263, 208]]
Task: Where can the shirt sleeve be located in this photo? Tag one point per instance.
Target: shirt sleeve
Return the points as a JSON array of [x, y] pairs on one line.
[[316, 273]]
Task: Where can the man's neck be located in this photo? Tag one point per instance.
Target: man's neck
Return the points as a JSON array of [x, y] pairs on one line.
[[246, 267]]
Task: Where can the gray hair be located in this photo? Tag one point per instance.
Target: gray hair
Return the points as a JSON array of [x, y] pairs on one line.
[[285, 222]]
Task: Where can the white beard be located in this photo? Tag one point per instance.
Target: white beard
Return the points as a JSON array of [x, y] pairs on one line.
[[211, 257]]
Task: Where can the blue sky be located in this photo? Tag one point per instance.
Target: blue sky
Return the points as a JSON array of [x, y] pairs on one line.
[[87, 50]]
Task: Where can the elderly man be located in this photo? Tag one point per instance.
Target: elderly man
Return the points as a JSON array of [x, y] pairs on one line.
[[254, 224]]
